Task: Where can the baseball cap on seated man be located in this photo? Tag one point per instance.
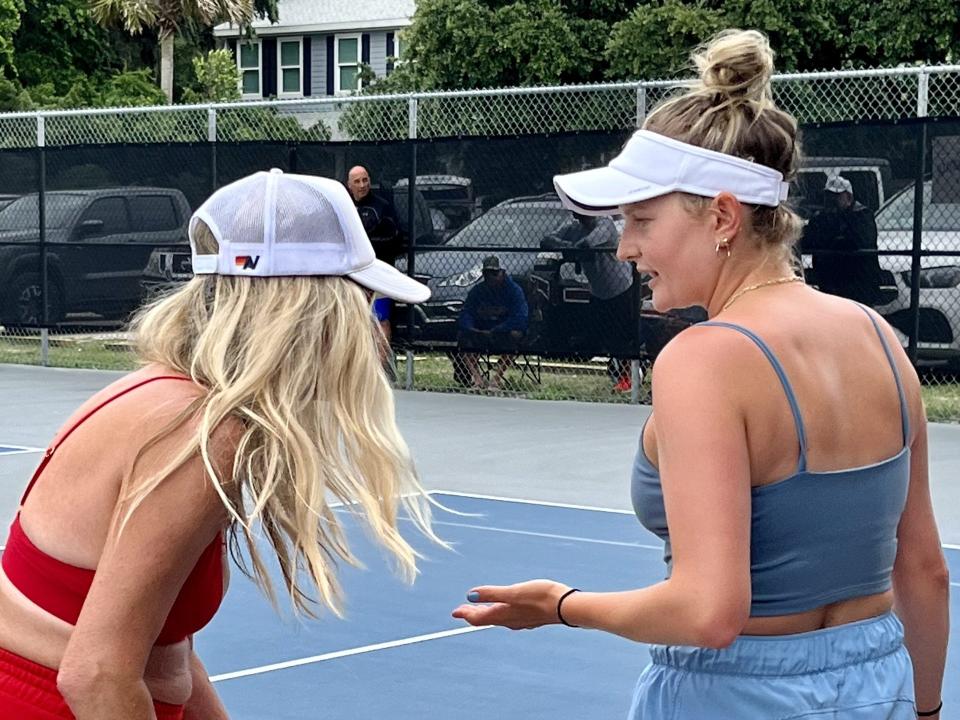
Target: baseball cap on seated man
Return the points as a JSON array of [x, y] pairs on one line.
[[652, 164], [838, 184], [272, 224], [491, 263]]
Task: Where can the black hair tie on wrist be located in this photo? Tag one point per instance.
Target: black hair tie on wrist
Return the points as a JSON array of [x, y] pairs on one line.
[[930, 713], [560, 604]]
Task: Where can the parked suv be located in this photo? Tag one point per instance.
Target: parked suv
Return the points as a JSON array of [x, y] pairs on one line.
[[98, 243]]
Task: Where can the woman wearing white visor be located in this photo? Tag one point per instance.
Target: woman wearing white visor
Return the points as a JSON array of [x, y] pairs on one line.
[[785, 462]]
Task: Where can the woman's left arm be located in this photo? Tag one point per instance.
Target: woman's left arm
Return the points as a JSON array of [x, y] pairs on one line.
[[705, 472]]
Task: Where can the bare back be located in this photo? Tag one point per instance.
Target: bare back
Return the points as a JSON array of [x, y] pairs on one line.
[[848, 399], [70, 511]]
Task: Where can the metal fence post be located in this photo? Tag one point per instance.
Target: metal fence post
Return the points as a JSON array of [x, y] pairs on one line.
[[641, 104], [212, 139], [412, 224], [42, 221], [917, 249], [923, 93]]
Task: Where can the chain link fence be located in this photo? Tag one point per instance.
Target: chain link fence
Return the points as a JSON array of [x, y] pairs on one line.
[[93, 207]]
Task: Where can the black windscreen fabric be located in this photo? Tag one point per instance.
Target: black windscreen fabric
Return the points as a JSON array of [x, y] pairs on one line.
[[115, 219], [20, 260], [239, 159]]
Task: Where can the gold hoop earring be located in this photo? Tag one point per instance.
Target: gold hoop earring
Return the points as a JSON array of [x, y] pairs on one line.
[[723, 244]]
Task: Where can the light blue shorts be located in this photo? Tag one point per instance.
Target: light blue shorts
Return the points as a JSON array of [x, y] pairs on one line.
[[859, 671]]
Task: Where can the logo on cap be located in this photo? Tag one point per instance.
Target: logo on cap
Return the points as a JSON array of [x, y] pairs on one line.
[[247, 262]]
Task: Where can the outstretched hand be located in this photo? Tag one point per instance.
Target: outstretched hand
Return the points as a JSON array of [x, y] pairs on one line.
[[522, 606]]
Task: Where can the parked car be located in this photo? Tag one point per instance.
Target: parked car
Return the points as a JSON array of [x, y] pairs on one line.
[[98, 243], [450, 273], [563, 318], [939, 291], [450, 199]]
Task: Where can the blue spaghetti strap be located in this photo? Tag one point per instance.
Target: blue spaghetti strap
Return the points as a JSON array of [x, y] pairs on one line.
[[904, 415], [787, 388]]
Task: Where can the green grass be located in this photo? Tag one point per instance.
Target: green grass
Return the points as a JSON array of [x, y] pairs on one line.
[[942, 401], [95, 354], [558, 381]]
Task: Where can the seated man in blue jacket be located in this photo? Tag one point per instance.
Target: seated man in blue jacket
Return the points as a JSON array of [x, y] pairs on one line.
[[493, 319]]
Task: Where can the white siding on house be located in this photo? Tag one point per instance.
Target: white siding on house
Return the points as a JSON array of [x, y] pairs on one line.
[[318, 69], [378, 53]]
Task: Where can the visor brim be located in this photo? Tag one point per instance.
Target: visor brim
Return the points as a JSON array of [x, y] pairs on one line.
[[387, 280], [603, 190]]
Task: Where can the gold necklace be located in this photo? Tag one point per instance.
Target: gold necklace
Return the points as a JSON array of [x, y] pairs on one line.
[[776, 281]]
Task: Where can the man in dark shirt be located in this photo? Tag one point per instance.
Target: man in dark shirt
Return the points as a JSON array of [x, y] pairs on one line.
[[847, 231], [380, 221], [493, 319]]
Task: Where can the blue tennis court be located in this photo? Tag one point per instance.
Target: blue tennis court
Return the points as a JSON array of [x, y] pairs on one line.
[[399, 654]]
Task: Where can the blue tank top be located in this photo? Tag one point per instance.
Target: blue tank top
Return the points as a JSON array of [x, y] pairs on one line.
[[815, 537]]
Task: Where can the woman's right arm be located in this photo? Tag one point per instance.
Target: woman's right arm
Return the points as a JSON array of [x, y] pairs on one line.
[[921, 581]]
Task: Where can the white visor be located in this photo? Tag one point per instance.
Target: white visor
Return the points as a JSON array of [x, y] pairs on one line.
[[651, 165]]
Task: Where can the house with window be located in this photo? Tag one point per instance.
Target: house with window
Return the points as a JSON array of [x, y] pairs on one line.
[[317, 47]]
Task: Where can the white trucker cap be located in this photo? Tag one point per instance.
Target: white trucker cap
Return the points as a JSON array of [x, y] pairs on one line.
[[651, 165], [272, 224]]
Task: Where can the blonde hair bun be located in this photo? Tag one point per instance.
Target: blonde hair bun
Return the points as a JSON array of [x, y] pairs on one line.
[[736, 65]]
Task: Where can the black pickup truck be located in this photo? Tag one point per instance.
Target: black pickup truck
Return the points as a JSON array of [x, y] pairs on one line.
[[98, 245]]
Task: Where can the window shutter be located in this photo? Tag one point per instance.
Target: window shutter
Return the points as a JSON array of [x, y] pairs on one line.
[[307, 66], [269, 48], [330, 68]]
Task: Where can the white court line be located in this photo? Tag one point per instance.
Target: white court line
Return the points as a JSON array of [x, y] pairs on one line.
[[576, 538], [531, 502], [19, 449], [346, 653], [945, 546]]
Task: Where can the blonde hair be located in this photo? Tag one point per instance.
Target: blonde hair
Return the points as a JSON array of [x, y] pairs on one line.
[[293, 361], [730, 109]]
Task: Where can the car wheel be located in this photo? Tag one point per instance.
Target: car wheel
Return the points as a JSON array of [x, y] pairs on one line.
[[24, 305]]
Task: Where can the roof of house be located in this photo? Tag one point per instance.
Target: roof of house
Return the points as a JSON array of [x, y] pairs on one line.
[[314, 16]]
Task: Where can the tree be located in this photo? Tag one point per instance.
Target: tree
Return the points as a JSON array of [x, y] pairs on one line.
[[654, 41], [217, 78], [465, 44], [58, 42], [167, 16], [10, 11]]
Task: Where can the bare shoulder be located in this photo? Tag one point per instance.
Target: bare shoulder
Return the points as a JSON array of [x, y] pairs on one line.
[[705, 353]]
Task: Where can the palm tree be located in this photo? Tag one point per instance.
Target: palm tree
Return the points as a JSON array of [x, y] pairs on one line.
[[168, 15]]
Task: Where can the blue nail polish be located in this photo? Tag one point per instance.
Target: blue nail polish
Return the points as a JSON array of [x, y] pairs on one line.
[[473, 596]]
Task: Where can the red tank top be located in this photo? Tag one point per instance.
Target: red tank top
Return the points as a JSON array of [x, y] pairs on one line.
[[61, 589]]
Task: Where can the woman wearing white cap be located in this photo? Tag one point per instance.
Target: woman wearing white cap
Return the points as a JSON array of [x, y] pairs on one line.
[[785, 462], [261, 398]]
